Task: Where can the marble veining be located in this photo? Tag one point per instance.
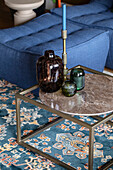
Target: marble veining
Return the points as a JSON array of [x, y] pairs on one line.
[[95, 99]]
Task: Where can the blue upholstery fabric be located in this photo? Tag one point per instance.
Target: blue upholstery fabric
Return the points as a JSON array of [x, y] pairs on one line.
[[96, 14], [80, 10], [103, 20], [108, 3], [93, 18], [21, 46]]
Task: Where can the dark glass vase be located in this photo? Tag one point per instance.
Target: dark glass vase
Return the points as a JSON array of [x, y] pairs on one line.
[[77, 76], [49, 71]]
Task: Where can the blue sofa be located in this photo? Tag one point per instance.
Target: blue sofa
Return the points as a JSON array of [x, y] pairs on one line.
[[21, 46], [96, 14]]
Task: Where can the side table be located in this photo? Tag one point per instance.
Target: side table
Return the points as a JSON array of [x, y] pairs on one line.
[[94, 100], [24, 9]]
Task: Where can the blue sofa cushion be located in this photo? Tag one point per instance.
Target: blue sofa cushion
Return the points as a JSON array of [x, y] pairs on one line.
[[80, 10], [29, 36], [29, 29], [21, 47], [103, 20], [108, 3], [94, 18]]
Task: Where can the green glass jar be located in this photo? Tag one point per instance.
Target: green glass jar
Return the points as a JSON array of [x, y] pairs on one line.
[[77, 76], [69, 88]]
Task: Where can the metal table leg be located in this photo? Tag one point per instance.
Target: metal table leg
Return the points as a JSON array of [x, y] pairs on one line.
[[91, 149]]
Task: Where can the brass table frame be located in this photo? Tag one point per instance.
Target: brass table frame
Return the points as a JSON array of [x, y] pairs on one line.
[[21, 139]]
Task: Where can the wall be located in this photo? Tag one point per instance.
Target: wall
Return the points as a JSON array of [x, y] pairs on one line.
[[76, 2], [50, 4]]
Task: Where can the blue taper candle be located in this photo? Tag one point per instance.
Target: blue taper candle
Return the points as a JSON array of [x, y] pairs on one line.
[[64, 16]]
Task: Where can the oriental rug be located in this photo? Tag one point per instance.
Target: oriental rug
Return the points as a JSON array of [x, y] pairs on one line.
[[66, 141]]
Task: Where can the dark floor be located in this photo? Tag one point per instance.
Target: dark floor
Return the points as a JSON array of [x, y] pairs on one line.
[[6, 20]]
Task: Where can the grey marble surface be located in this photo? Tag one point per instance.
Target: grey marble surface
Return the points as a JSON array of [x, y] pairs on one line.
[[95, 99]]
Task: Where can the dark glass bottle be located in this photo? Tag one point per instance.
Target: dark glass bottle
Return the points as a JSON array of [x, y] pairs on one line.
[[77, 76], [69, 88], [49, 71]]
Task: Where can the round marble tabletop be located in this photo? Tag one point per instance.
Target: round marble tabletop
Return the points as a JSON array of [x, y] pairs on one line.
[[95, 99]]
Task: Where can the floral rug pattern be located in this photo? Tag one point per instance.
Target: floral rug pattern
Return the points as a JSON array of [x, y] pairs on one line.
[[66, 141]]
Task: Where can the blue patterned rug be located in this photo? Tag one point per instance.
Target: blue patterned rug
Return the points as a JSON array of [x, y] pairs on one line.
[[65, 141]]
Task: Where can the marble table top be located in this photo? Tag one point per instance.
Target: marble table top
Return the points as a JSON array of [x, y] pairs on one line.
[[95, 99]]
